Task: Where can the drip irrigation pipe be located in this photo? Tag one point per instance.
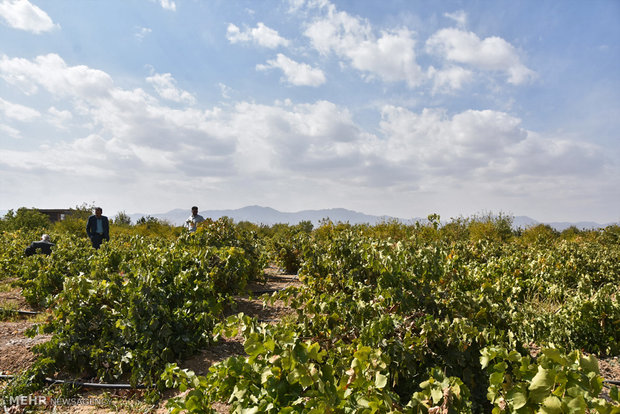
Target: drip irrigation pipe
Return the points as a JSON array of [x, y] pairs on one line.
[[84, 384], [140, 386], [21, 312], [261, 292]]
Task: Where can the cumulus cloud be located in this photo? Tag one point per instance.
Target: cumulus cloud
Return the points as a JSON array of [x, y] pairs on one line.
[[491, 53], [389, 56], [450, 79], [135, 134], [481, 144], [299, 74], [52, 73], [17, 111], [165, 85], [21, 14], [260, 35]]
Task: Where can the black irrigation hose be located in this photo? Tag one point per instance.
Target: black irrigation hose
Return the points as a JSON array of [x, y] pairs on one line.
[[21, 312], [140, 386], [262, 292], [95, 384], [85, 384]]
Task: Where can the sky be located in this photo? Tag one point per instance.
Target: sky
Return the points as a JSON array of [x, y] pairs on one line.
[[398, 107]]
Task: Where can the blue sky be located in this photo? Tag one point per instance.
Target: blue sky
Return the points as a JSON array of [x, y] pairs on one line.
[[403, 108]]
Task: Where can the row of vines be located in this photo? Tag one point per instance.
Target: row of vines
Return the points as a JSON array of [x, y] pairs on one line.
[[468, 317], [121, 313], [419, 323]]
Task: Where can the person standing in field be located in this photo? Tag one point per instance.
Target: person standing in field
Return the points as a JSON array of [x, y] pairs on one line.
[[44, 246], [98, 228], [193, 220]]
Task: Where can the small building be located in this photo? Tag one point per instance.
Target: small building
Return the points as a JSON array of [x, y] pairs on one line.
[[57, 214]]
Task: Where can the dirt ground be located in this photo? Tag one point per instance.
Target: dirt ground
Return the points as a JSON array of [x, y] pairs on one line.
[[16, 355]]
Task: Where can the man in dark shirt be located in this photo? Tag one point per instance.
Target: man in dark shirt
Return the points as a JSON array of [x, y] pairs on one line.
[[98, 228], [44, 246]]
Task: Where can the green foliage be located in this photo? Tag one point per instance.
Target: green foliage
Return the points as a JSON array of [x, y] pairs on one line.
[[25, 219], [75, 222], [122, 219], [490, 227], [122, 312], [42, 277], [286, 245], [427, 306], [286, 373], [541, 234], [442, 394], [389, 318], [225, 233], [116, 324], [555, 382]]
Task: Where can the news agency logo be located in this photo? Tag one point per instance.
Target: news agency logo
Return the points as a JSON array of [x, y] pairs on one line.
[[42, 400], [25, 400]]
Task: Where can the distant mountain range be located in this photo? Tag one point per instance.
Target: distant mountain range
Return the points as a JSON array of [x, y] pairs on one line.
[[270, 216]]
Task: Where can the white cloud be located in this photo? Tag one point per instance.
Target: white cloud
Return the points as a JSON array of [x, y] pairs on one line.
[[491, 53], [168, 5], [225, 90], [142, 145], [460, 17], [296, 5], [260, 35], [481, 145], [165, 85], [391, 56], [21, 14], [59, 118], [450, 79], [17, 111], [300, 74], [52, 73], [142, 32], [10, 131]]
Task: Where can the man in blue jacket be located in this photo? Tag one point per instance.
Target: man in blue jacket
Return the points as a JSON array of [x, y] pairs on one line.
[[98, 228]]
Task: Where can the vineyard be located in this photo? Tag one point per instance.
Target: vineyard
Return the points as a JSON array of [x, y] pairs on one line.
[[465, 317]]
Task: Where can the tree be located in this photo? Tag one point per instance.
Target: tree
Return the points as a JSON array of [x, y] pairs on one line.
[[148, 220], [122, 219], [75, 223], [24, 218]]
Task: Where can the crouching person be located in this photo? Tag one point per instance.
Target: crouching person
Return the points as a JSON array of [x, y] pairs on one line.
[[43, 246]]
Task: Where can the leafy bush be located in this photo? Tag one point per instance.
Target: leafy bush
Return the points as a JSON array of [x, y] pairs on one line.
[[24, 219], [286, 245]]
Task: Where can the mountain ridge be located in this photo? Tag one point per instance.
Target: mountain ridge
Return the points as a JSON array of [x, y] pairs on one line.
[[270, 216]]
